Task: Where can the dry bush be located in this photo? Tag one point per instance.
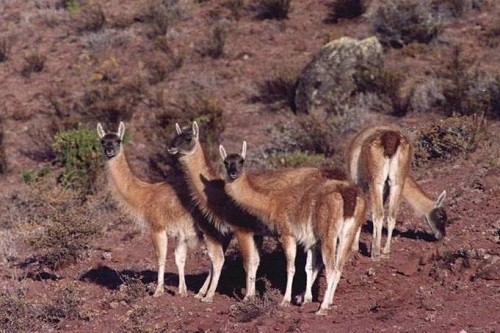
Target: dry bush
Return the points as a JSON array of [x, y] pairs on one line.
[[425, 95], [161, 65], [130, 290], [345, 9], [449, 138], [144, 319], [280, 89], [4, 48], [108, 97], [16, 313], [163, 15], [34, 62], [294, 160], [235, 7], [267, 304], [3, 155], [65, 235], [468, 89], [216, 41], [107, 38], [91, 18], [491, 32], [66, 304], [273, 9], [400, 22]]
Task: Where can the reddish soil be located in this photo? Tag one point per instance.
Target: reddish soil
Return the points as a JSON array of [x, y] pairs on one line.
[[425, 286]]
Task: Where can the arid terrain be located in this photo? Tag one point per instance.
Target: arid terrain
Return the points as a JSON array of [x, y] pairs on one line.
[[71, 261]]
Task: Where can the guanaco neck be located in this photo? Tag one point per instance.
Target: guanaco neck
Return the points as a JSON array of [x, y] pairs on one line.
[[127, 188], [416, 197], [197, 171], [249, 197]]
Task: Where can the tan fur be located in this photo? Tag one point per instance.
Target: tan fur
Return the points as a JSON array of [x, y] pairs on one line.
[[159, 205], [301, 206], [379, 162], [206, 190]]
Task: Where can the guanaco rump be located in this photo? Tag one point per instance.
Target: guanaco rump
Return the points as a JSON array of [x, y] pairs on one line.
[[207, 191], [321, 215], [379, 160], [166, 210]]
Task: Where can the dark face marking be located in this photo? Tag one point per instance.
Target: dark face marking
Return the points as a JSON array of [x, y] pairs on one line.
[[111, 144], [439, 218], [234, 165], [182, 144]]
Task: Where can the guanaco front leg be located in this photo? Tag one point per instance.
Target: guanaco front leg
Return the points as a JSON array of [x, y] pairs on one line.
[[289, 245], [251, 260], [180, 261]]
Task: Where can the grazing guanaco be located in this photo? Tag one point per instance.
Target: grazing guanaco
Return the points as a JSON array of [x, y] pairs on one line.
[[164, 207], [207, 192], [321, 215], [379, 160]]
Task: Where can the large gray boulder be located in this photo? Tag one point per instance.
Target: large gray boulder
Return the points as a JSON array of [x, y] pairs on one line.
[[341, 69]]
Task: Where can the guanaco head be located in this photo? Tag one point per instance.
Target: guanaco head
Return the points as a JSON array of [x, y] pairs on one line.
[[233, 162], [111, 142], [436, 218], [185, 141]]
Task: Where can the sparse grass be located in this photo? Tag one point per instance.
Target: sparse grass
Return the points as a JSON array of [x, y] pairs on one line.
[[4, 48], [449, 138], [266, 305], [400, 22], [345, 9], [33, 176], [273, 9], [131, 289], [216, 41], [79, 152], [34, 62]]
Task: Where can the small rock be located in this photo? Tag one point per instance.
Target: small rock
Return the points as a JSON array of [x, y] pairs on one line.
[[113, 305]]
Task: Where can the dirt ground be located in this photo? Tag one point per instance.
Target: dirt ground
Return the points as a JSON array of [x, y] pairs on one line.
[[451, 285]]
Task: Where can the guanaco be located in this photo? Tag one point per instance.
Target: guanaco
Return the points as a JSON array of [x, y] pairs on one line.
[[300, 207], [379, 161], [163, 206], [207, 191]]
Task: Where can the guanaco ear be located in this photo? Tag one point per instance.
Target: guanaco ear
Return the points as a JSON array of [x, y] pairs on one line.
[[222, 152], [178, 128], [100, 131], [440, 199], [121, 130], [244, 149], [196, 130]]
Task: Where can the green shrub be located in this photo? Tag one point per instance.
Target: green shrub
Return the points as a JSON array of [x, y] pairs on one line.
[[273, 9], [79, 152], [449, 138], [33, 176], [400, 22]]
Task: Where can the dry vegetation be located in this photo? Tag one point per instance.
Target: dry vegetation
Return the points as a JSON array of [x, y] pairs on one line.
[[232, 66]]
